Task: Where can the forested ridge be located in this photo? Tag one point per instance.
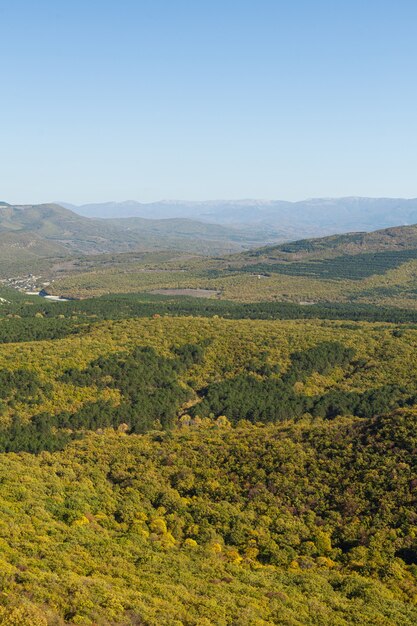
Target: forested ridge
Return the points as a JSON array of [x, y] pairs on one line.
[[350, 267]]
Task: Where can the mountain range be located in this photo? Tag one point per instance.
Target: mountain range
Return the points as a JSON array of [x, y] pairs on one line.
[[276, 219], [32, 232]]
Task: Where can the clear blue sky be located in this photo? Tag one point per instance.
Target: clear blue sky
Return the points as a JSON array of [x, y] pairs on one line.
[[203, 99]]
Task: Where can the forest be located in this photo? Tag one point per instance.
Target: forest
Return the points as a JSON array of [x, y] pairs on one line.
[[153, 393], [206, 463], [28, 320], [258, 525]]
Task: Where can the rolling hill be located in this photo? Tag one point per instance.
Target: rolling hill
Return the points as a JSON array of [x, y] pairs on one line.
[[349, 256], [373, 268], [377, 267], [30, 233]]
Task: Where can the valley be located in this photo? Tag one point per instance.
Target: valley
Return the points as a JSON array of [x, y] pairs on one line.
[[377, 268]]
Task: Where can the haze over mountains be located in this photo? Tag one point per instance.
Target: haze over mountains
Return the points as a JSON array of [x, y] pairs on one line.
[[276, 219]]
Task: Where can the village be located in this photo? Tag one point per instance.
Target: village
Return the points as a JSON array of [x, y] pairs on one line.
[[31, 285]]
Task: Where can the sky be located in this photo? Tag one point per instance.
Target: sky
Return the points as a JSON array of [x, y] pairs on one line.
[[206, 99]]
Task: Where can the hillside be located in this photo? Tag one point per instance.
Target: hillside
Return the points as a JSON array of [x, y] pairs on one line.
[[32, 232], [245, 369], [161, 464], [247, 459], [368, 268], [393, 239], [205, 472], [214, 527], [350, 256]]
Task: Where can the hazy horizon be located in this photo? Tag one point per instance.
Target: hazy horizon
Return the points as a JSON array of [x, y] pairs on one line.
[[241, 199], [210, 200]]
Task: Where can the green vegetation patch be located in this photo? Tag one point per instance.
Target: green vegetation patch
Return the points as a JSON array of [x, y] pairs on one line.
[[149, 386], [346, 267], [147, 381], [21, 386], [15, 330], [272, 399], [124, 306]]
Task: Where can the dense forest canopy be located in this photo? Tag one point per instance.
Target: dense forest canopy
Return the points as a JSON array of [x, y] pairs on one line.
[[211, 462], [294, 524]]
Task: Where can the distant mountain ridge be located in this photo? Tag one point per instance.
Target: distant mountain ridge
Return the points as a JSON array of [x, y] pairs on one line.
[[277, 218]]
